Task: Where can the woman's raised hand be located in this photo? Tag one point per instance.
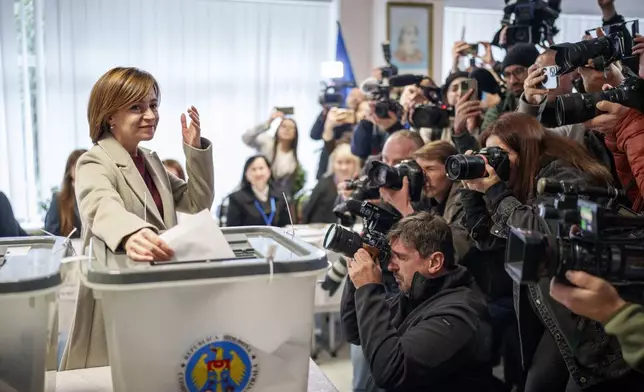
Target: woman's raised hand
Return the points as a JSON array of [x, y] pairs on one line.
[[191, 133]]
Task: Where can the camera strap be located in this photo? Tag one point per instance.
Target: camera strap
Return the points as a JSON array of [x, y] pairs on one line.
[[268, 219]]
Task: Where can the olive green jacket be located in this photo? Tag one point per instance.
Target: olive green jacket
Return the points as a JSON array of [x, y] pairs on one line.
[[628, 327]]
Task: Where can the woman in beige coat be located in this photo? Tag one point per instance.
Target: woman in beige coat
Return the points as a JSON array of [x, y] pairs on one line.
[[125, 195]]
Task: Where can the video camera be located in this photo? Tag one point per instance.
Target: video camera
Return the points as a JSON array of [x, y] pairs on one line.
[[577, 108], [376, 224], [470, 167], [530, 21], [331, 95], [608, 242], [380, 91], [435, 114], [616, 45]]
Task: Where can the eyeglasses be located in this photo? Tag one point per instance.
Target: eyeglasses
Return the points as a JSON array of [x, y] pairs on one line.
[[517, 73]]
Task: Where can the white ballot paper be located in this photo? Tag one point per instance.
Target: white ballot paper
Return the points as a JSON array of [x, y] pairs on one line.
[[197, 237]]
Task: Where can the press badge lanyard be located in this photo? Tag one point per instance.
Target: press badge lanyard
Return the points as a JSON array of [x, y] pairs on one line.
[[267, 219]]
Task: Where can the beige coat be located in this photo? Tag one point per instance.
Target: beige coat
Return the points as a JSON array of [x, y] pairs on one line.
[[112, 198]]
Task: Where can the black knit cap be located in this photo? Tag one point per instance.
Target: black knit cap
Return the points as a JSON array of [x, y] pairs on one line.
[[520, 54], [485, 81]]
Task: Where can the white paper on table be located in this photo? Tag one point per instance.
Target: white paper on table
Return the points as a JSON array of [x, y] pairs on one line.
[[198, 237]]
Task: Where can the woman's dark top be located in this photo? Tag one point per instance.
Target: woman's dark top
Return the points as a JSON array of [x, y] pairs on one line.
[[242, 209], [319, 208], [9, 226]]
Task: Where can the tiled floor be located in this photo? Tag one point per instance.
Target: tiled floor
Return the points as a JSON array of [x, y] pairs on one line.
[[338, 369]]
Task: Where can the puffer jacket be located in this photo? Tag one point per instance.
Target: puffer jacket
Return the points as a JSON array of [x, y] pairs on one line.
[[626, 142]]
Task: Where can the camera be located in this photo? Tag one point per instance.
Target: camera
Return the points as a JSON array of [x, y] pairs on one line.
[[577, 108], [433, 115], [469, 167], [608, 243], [380, 91], [376, 224], [381, 175], [332, 96], [600, 51], [530, 21]]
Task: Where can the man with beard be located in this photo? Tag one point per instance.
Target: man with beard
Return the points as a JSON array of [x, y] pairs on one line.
[[515, 71]]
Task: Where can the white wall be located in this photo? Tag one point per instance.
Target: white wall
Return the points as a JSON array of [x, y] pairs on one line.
[[364, 24]]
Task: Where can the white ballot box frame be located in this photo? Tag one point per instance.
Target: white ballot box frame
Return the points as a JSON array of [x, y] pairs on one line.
[[260, 304], [29, 281]]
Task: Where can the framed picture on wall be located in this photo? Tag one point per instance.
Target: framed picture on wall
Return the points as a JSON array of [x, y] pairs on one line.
[[409, 31]]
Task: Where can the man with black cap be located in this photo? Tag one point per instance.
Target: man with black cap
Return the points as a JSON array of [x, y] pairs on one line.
[[514, 70]]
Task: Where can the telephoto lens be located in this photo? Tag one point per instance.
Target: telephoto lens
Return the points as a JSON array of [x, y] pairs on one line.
[[465, 167], [343, 241], [602, 50], [577, 108]]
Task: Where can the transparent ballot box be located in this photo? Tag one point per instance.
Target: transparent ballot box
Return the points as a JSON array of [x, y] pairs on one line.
[[29, 282], [220, 325]]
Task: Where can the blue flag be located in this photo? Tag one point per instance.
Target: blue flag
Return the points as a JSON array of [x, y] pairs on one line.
[[342, 56]]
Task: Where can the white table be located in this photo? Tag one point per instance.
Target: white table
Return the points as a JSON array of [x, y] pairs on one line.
[[100, 380]]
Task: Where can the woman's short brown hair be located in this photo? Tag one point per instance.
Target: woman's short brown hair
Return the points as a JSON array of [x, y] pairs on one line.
[[117, 89], [437, 150]]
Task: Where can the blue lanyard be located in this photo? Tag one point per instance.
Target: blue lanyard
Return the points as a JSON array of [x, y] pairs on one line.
[[267, 219]]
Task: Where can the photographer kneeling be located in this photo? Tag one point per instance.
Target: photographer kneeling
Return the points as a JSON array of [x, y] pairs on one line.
[[431, 335], [560, 352]]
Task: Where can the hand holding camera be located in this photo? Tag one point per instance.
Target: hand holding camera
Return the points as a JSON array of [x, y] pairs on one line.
[[467, 110], [533, 85], [482, 184], [274, 115], [363, 270], [592, 297], [399, 199]]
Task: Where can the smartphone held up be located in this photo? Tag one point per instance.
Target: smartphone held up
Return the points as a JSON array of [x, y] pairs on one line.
[[551, 80]]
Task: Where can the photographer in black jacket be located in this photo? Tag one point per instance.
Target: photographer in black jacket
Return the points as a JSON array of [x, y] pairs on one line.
[[430, 336], [560, 351]]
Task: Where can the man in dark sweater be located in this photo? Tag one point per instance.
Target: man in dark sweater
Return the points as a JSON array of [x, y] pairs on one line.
[[433, 334], [9, 226]]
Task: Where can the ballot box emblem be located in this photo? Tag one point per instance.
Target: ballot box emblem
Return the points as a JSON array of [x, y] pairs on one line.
[[218, 364]]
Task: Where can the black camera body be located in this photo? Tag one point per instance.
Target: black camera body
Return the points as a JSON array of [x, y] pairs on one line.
[[433, 115], [600, 52], [577, 108], [331, 95], [605, 241], [470, 167], [381, 175], [381, 93], [533, 21], [376, 224]]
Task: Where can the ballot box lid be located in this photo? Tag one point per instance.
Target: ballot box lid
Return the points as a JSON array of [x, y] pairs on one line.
[[31, 263], [251, 245]]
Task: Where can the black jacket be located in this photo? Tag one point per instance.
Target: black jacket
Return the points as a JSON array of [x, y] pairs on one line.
[[243, 212], [316, 134], [434, 338], [9, 226], [591, 356], [319, 208], [52, 219]]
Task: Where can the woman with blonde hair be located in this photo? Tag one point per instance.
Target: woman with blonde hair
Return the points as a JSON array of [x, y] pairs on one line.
[[125, 195], [63, 216], [343, 166]]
